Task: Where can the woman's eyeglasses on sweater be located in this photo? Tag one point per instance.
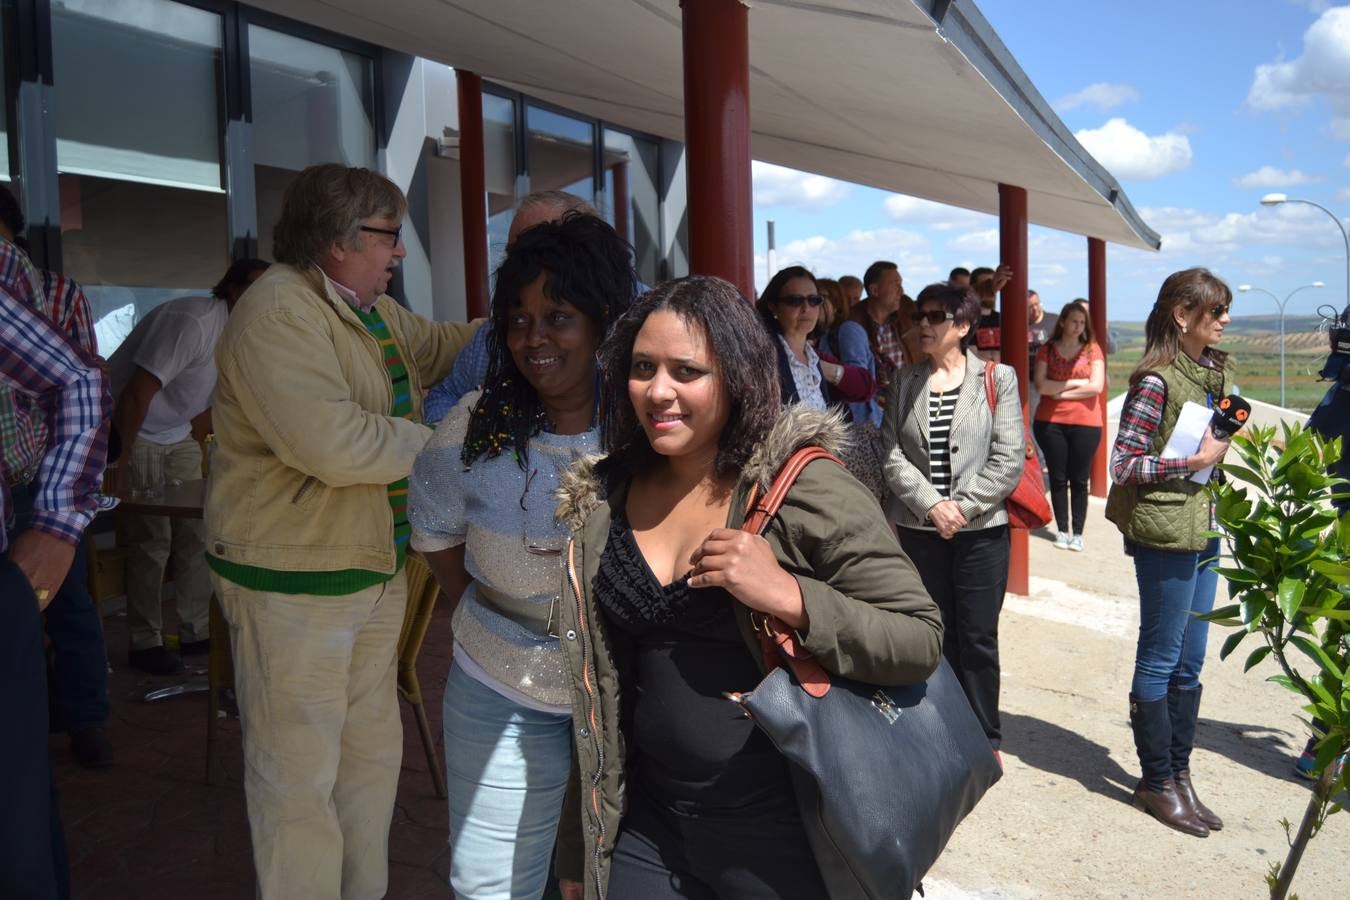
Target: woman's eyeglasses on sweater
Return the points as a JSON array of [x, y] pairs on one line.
[[530, 546]]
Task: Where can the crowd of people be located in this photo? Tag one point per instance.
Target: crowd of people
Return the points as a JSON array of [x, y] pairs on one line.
[[575, 471]]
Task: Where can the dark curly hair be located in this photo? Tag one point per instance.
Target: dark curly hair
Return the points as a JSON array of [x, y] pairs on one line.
[[586, 264], [744, 354], [961, 302]]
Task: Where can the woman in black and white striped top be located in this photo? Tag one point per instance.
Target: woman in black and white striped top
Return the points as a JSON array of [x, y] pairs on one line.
[[950, 464]]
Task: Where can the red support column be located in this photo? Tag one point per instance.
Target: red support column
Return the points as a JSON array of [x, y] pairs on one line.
[[1012, 247], [717, 140], [473, 192], [1097, 305]]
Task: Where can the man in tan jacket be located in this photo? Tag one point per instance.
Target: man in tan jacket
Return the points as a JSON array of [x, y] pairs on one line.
[[318, 412]]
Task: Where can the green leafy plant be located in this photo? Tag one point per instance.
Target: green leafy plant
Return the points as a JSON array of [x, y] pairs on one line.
[[1290, 586]]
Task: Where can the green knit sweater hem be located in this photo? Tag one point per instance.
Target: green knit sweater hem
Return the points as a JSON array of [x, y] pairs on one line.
[[321, 584]]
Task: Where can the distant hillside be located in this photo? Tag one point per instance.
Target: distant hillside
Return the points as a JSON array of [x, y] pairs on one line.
[[1300, 332]]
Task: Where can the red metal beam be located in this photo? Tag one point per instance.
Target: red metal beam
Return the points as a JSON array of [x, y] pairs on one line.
[[1097, 305], [473, 192], [1012, 247], [717, 140]]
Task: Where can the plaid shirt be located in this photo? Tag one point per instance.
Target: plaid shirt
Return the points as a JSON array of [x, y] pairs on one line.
[[1132, 459], [72, 404], [68, 307], [888, 342]]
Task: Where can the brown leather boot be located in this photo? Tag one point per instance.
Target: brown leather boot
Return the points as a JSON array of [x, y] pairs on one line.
[[1156, 792], [1187, 792], [1168, 807]]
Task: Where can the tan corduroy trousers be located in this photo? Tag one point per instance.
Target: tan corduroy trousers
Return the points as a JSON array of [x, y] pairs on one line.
[[323, 742]]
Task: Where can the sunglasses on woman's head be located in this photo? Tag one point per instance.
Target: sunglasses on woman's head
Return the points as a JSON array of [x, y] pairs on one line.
[[936, 316], [799, 300], [1218, 310]]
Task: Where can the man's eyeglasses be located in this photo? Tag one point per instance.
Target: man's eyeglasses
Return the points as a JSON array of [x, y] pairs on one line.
[[395, 233], [1220, 309], [936, 317], [800, 300]]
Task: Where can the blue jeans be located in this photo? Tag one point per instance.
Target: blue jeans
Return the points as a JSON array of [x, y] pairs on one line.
[[507, 768], [1173, 585]]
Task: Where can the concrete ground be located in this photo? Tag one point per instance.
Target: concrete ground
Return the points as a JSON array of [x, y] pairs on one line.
[[1059, 824]]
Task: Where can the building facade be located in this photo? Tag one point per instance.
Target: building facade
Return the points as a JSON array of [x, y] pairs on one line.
[[150, 143]]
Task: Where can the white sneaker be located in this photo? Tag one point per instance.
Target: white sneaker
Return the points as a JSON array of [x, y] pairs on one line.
[[1076, 543], [1061, 540]]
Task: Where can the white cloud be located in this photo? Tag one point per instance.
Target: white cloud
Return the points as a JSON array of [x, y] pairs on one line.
[[1322, 71], [1271, 177], [852, 253], [937, 216], [1346, 162], [1129, 153], [1343, 195], [778, 186], [1102, 95], [984, 242]]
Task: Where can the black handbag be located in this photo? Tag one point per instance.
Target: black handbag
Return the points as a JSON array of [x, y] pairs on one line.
[[883, 775]]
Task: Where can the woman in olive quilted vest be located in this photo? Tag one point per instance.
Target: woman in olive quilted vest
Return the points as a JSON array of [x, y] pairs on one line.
[[1165, 517]]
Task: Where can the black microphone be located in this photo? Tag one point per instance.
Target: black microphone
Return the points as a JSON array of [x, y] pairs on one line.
[[1229, 416]]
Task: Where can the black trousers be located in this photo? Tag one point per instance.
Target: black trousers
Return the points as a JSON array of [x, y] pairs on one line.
[[1068, 451], [80, 686], [32, 845], [663, 855], [967, 577]]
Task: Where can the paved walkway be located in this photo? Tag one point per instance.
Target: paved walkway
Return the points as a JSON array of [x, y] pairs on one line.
[[1059, 825]]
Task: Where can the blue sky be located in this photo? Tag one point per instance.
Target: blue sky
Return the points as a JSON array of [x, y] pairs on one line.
[[1198, 108]]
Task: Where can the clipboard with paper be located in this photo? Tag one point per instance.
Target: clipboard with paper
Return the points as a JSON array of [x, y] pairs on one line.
[[1187, 435]]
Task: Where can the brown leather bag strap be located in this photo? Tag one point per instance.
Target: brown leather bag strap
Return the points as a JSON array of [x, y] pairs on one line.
[[772, 501], [776, 640]]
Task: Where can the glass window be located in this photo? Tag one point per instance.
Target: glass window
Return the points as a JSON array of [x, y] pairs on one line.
[[4, 110], [499, 170], [632, 200], [136, 108], [560, 153], [311, 104]]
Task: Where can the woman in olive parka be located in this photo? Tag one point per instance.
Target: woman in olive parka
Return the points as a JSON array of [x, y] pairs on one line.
[[676, 793]]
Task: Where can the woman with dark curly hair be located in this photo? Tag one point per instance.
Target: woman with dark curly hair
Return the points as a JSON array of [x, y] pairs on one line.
[[661, 586], [482, 511]]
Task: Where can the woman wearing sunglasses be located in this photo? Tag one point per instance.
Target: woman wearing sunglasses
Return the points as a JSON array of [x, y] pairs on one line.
[[797, 314], [793, 307], [950, 464], [1166, 519], [482, 510]]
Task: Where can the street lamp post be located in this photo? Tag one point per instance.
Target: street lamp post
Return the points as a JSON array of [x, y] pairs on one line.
[[1277, 199], [1244, 288]]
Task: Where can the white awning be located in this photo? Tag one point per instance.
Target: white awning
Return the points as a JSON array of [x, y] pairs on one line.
[[877, 92]]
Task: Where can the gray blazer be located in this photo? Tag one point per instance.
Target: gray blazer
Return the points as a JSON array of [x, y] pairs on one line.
[[988, 450]]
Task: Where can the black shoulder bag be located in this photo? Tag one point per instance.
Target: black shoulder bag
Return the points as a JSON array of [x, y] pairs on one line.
[[883, 775]]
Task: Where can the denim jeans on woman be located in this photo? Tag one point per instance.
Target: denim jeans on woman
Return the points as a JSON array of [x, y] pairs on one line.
[[1173, 587], [507, 768]]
